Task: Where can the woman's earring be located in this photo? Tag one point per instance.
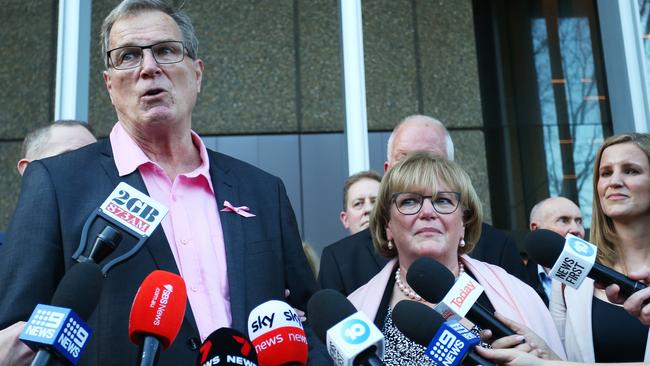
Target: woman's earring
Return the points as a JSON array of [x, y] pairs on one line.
[[462, 243], [390, 245]]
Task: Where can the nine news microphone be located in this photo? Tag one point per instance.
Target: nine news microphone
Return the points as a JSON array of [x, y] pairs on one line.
[[277, 334], [227, 346], [351, 338], [436, 284], [59, 330], [157, 314], [570, 259], [447, 343]]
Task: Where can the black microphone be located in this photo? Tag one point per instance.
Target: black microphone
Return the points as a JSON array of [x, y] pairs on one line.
[[49, 330], [105, 244], [421, 324], [432, 280], [546, 246], [351, 338], [227, 346]]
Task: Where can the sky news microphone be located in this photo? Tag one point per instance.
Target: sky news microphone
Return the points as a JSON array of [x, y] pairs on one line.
[[277, 334], [447, 343], [351, 338], [227, 346], [60, 330], [157, 314], [571, 259], [436, 284]]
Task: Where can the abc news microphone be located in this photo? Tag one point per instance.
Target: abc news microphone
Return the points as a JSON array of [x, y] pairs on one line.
[[60, 330], [157, 314], [572, 259], [447, 343], [436, 284], [277, 334], [227, 346], [351, 338]]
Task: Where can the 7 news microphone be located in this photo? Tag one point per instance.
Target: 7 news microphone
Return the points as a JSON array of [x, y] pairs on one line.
[[59, 330], [547, 247], [447, 343], [227, 346], [351, 338], [277, 334], [433, 281], [157, 314]]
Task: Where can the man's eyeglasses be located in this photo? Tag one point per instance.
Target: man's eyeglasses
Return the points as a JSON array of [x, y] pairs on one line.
[[129, 57], [410, 203]]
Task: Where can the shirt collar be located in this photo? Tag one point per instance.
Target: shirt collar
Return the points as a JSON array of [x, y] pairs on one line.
[[129, 156]]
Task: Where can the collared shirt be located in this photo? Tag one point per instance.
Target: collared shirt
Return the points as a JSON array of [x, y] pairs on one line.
[[545, 280], [192, 227]]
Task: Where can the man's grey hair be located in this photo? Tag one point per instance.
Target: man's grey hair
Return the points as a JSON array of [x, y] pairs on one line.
[[132, 7], [36, 141], [449, 144]]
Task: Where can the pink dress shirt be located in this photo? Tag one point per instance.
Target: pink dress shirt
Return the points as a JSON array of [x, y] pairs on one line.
[[192, 227]]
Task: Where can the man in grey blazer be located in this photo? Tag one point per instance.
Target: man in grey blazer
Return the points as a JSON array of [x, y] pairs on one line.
[[231, 257]]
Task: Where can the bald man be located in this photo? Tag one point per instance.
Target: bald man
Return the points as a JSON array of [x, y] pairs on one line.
[[351, 262], [562, 216]]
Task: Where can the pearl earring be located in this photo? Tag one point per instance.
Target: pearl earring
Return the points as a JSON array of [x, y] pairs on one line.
[[462, 242], [390, 245]]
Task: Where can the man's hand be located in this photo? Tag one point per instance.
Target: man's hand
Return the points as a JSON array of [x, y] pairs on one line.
[[13, 352]]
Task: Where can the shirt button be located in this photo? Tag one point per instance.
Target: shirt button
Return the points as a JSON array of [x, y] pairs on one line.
[[194, 288], [184, 241]]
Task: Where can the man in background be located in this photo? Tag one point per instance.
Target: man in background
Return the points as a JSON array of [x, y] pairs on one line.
[[562, 216], [353, 261], [359, 195]]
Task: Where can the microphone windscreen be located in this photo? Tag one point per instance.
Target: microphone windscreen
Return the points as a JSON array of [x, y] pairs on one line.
[[417, 321], [325, 309], [430, 279], [544, 246], [158, 308], [227, 346], [80, 289]]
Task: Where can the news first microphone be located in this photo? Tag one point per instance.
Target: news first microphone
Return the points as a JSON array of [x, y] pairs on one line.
[[436, 284], [227, 346], [351, 338], [59, 330], [277, 334], [157, 314], [447, 343], [573, 259]]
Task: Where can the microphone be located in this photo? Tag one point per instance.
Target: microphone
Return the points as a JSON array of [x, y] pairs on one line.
[[447, 343], [435, 283], [59, 330], [277, 334], [226, 346], [128, 211], [157, 314], [351, 338], [570, 260]]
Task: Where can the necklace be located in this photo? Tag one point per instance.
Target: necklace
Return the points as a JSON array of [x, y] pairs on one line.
[[408, 291]]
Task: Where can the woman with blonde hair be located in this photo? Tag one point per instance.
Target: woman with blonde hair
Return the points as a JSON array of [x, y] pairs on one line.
[[621, 230], [427, 207]]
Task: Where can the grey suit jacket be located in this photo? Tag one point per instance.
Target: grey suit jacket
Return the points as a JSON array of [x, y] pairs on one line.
[[264, 253]]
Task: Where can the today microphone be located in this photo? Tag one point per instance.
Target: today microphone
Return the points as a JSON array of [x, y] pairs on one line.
[[447, 343], [60, 330], [570, 259], [157, 314], [277, 334], [436, 284], [351, 338], [227, 346]]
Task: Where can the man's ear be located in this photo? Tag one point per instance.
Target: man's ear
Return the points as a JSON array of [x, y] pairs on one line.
[[533, 226], [343, 216], [22, 165]]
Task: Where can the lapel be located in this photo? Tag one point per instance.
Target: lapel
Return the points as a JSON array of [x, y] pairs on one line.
[[370, 247], [157, 245], [225, 187]]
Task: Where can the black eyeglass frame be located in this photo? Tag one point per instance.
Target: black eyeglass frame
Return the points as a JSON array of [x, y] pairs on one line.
[[149, 47], [431, 197]]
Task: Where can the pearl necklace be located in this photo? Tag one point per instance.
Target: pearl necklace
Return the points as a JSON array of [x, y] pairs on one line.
[[408, 291]]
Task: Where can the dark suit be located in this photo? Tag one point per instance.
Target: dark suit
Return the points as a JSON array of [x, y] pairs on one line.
[[264, 254], [533, 280], [349, 263]]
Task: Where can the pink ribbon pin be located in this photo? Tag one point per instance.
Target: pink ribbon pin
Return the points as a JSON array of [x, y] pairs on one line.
[[241, 211]]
